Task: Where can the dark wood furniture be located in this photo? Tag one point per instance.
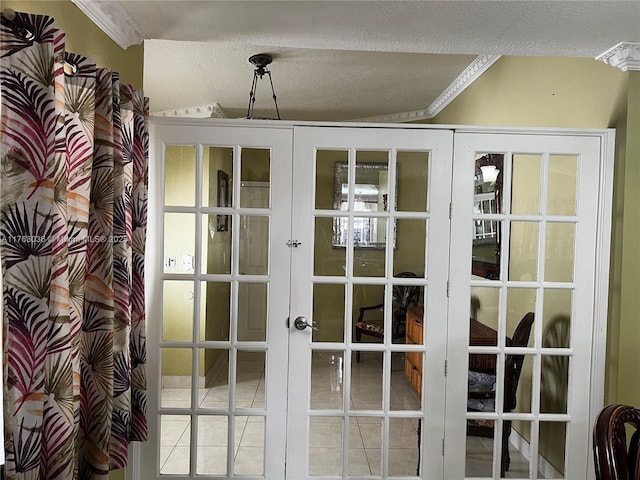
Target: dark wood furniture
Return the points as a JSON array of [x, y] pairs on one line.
[[513, 369], [615, 456]]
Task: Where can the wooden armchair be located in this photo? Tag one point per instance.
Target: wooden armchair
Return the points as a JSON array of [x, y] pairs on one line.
[[404, 296], [614, 457], [481, 396]]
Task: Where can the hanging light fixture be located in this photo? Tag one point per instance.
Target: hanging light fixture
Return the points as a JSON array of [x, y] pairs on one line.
[[260, 60]]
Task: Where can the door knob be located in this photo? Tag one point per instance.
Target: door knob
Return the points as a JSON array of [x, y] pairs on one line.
[[301, 323]]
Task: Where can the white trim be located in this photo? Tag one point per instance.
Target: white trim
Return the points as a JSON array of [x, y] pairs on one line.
[[470, 74], [114, 20], [203, 111], [625, 56]]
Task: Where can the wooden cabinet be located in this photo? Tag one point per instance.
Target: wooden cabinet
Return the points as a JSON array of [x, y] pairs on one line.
[[413, 360]]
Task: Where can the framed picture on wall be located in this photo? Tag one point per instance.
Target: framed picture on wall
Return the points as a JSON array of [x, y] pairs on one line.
[[223, 200]]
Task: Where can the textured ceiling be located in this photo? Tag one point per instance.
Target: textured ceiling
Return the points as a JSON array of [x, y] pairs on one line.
[[340, 60]]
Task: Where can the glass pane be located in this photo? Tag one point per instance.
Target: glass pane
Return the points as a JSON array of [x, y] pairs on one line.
[[558, 262], [405, 296], [366, 382], [371, 433], [519, 466], [525, 184], [217, 173], [563, 175], [521, 402], [176, 377], [328, 312], [409, 253], [481, 383], [252, 311], [485, 253], [372, 181], [215, 311], [368, 312], [520, 301], [368, 262], [556, 327], [488, 178], [180, 175], [177, 310], [552, 448], [179, 241], [255, 175], [479, 448], [329, 177], [175, 439], [403, 446], [412, 173], [250, 378], [327, 260], [254, 245], [358, 463], [369, 232], [212, 444], [325, 445], [327, 375], [250, 457], [523, 252], [215, 362], [554, 384], [485, 303], [405, 391], [216, 244]]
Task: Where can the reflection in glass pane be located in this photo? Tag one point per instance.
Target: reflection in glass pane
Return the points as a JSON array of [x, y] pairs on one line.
[[485, 254], [176, 377], [479, 449], [525, 184], [175, 439], [180, 175], [368, 303], [521, 403], [179, 241], [328, 312], [488, 177], [405, 391], [485, 303], [250, 379], [481, 383], [563, 175], [554, 384], [215, 311], [520, 301], [212, 444], [403, 446], [325, 445], [215, 362], [371, 433], [250, 457], [216, 244], [523, 251], [217, 176], [412, 174], [326, 259], [372, 170], [326, 161], [409, 254], [519, 466], [405, 297], [177, 310], [252, 312], [556, 327], [559, 255], [366, 382], [552, 447], [368, 232], [255, 175], [369, 262], [327, 375], [254, 245]]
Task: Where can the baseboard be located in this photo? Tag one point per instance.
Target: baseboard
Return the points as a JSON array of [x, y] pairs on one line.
[[544, 466]]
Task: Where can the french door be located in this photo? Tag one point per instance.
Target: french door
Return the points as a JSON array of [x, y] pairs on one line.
[[314, 289]]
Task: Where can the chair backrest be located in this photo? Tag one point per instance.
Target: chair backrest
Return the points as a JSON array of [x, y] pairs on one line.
[[513, 363], [614, 458], [406, 295]]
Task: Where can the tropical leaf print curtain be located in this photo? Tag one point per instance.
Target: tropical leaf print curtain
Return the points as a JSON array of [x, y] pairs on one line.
[[74, 150]]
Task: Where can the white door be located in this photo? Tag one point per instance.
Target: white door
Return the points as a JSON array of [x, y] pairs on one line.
[[369, 205], [529, 234]]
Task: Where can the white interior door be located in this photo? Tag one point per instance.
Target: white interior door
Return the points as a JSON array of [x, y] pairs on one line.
[[369, 205]]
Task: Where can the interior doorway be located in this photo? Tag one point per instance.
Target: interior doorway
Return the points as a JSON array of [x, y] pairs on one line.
[[312, 283]]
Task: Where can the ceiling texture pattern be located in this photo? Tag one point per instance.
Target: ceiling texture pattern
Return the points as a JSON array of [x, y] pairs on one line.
[[346, 60]]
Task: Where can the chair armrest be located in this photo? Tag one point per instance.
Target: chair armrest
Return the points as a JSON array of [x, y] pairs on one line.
[[364, 309]]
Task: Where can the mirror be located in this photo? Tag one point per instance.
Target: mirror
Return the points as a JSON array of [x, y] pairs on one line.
[[370, 194], [485, 260]]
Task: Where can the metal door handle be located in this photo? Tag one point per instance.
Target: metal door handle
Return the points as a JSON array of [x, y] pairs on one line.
[[301, 323]]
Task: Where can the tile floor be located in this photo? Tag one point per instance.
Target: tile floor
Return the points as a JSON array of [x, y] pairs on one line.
[[326, 438]]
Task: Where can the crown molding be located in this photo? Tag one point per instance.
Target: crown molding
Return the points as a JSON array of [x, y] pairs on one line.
[[625, 56], [470, 74], [202, 111], [114, 20]]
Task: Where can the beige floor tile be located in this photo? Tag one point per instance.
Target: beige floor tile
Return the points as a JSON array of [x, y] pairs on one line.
[[249, 461], [178, 461], [212, 461]]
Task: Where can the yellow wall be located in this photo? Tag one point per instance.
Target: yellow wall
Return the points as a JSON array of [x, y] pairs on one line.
[[85, 38]]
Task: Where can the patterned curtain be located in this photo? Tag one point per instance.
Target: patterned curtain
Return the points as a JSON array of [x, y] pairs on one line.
[[74, 150]]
